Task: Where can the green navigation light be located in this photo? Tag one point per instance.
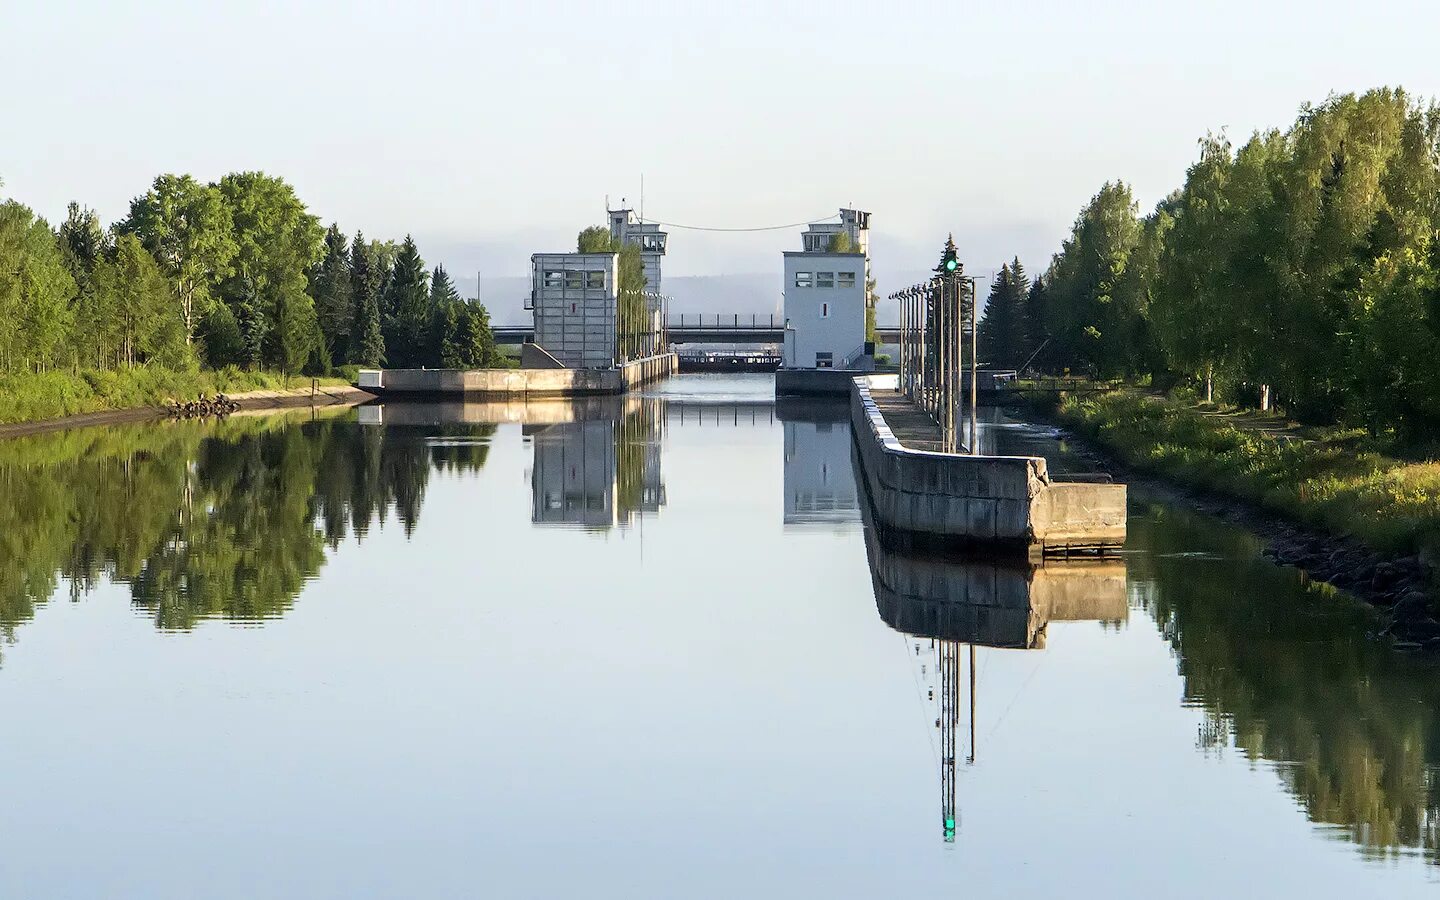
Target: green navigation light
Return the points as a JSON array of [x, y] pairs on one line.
[[950, 265]]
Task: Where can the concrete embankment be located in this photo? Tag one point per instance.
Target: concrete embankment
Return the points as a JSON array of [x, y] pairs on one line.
[[325, 395], [949, 498], [520, 382]]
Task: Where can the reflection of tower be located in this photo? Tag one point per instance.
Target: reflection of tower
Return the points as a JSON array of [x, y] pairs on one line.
[[820, 486], [947, 661], [985, 601]]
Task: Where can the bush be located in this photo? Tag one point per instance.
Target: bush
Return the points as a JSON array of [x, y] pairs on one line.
[[1333, 481]]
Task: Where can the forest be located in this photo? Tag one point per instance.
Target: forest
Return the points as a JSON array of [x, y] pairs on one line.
[[1299, 269], [234, 273]]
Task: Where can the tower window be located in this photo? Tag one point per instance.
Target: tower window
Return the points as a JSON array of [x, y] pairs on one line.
[[824, 279], [847, 279], [824, 310], [804, 280]]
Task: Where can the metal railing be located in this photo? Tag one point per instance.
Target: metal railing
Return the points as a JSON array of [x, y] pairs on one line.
[[726, 322]]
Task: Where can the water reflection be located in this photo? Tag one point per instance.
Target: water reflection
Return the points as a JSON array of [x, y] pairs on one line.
[[601, 469], [223, 519], [1284, 673], [949, 604], [820, 487], [230, 520]]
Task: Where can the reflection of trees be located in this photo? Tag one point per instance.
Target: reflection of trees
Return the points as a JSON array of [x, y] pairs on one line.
[[637, 461], [206, 520], [1349, 725]]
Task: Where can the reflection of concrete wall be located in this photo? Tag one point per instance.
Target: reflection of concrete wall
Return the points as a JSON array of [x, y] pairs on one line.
[[994, 603], [819, 480]]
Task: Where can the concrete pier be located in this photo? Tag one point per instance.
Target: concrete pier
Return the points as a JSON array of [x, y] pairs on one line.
[[949, 498], [519, 382]]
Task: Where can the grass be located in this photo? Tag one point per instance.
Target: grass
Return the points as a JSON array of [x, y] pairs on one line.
[[1332, 479], [50, 395]]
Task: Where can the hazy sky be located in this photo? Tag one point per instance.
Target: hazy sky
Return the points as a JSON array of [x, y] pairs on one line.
[[491, 130]]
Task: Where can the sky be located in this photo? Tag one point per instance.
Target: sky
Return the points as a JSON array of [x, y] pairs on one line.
[[493, 130]]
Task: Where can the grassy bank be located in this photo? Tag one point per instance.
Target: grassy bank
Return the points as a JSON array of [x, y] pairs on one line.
[[32, 398], [1335, 480]]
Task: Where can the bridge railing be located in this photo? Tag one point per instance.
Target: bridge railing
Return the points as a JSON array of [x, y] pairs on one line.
[[726, 322]]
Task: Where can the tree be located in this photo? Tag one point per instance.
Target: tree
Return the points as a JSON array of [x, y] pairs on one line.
[[367, 341], [1004, 336], [145, 322], [407, 308], [187, 227], [35, 292], [83, 245], [477, 341], [595, 239], [446, 313], [334, 296], [1088, 329], [277, 244]]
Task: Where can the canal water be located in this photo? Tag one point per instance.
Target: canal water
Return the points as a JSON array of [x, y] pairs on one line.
[[647, 647]]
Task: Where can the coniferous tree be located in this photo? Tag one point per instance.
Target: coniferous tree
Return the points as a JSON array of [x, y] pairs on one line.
[[334, 307], [254, 324], [407, 307], [367, 342], [1003, 331], [445, 326], [477, 341]]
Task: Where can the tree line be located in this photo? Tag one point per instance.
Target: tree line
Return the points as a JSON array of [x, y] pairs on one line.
[[231, 273], [1301, 268]]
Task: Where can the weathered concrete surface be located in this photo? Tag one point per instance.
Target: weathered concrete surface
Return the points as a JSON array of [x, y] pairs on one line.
[[815, 382], [953, 498], [534, 356], [513, 382]]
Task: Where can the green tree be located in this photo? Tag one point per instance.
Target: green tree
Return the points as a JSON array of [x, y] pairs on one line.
[[143, 318], [407, 308], [187, 227], [334, 296], [446, 313], [367, 341], [35, 292], [83, 246], [477, 341], [1087, 327], [278, 243], [1004, 335]]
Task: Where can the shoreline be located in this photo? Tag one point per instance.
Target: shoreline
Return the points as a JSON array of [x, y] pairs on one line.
[[1396, 587], [324, 395]]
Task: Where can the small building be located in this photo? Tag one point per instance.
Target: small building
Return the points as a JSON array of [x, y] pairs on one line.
[[573, 296], [825, 311], [627, 229]]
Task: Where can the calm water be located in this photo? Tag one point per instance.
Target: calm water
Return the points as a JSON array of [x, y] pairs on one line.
[[647, 648]]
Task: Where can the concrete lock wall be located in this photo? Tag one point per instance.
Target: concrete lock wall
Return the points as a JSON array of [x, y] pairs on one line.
[[517, 382], [982, 499]]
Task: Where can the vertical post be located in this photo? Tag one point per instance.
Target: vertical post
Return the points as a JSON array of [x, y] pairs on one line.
[[974, 370], [972, 704]]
